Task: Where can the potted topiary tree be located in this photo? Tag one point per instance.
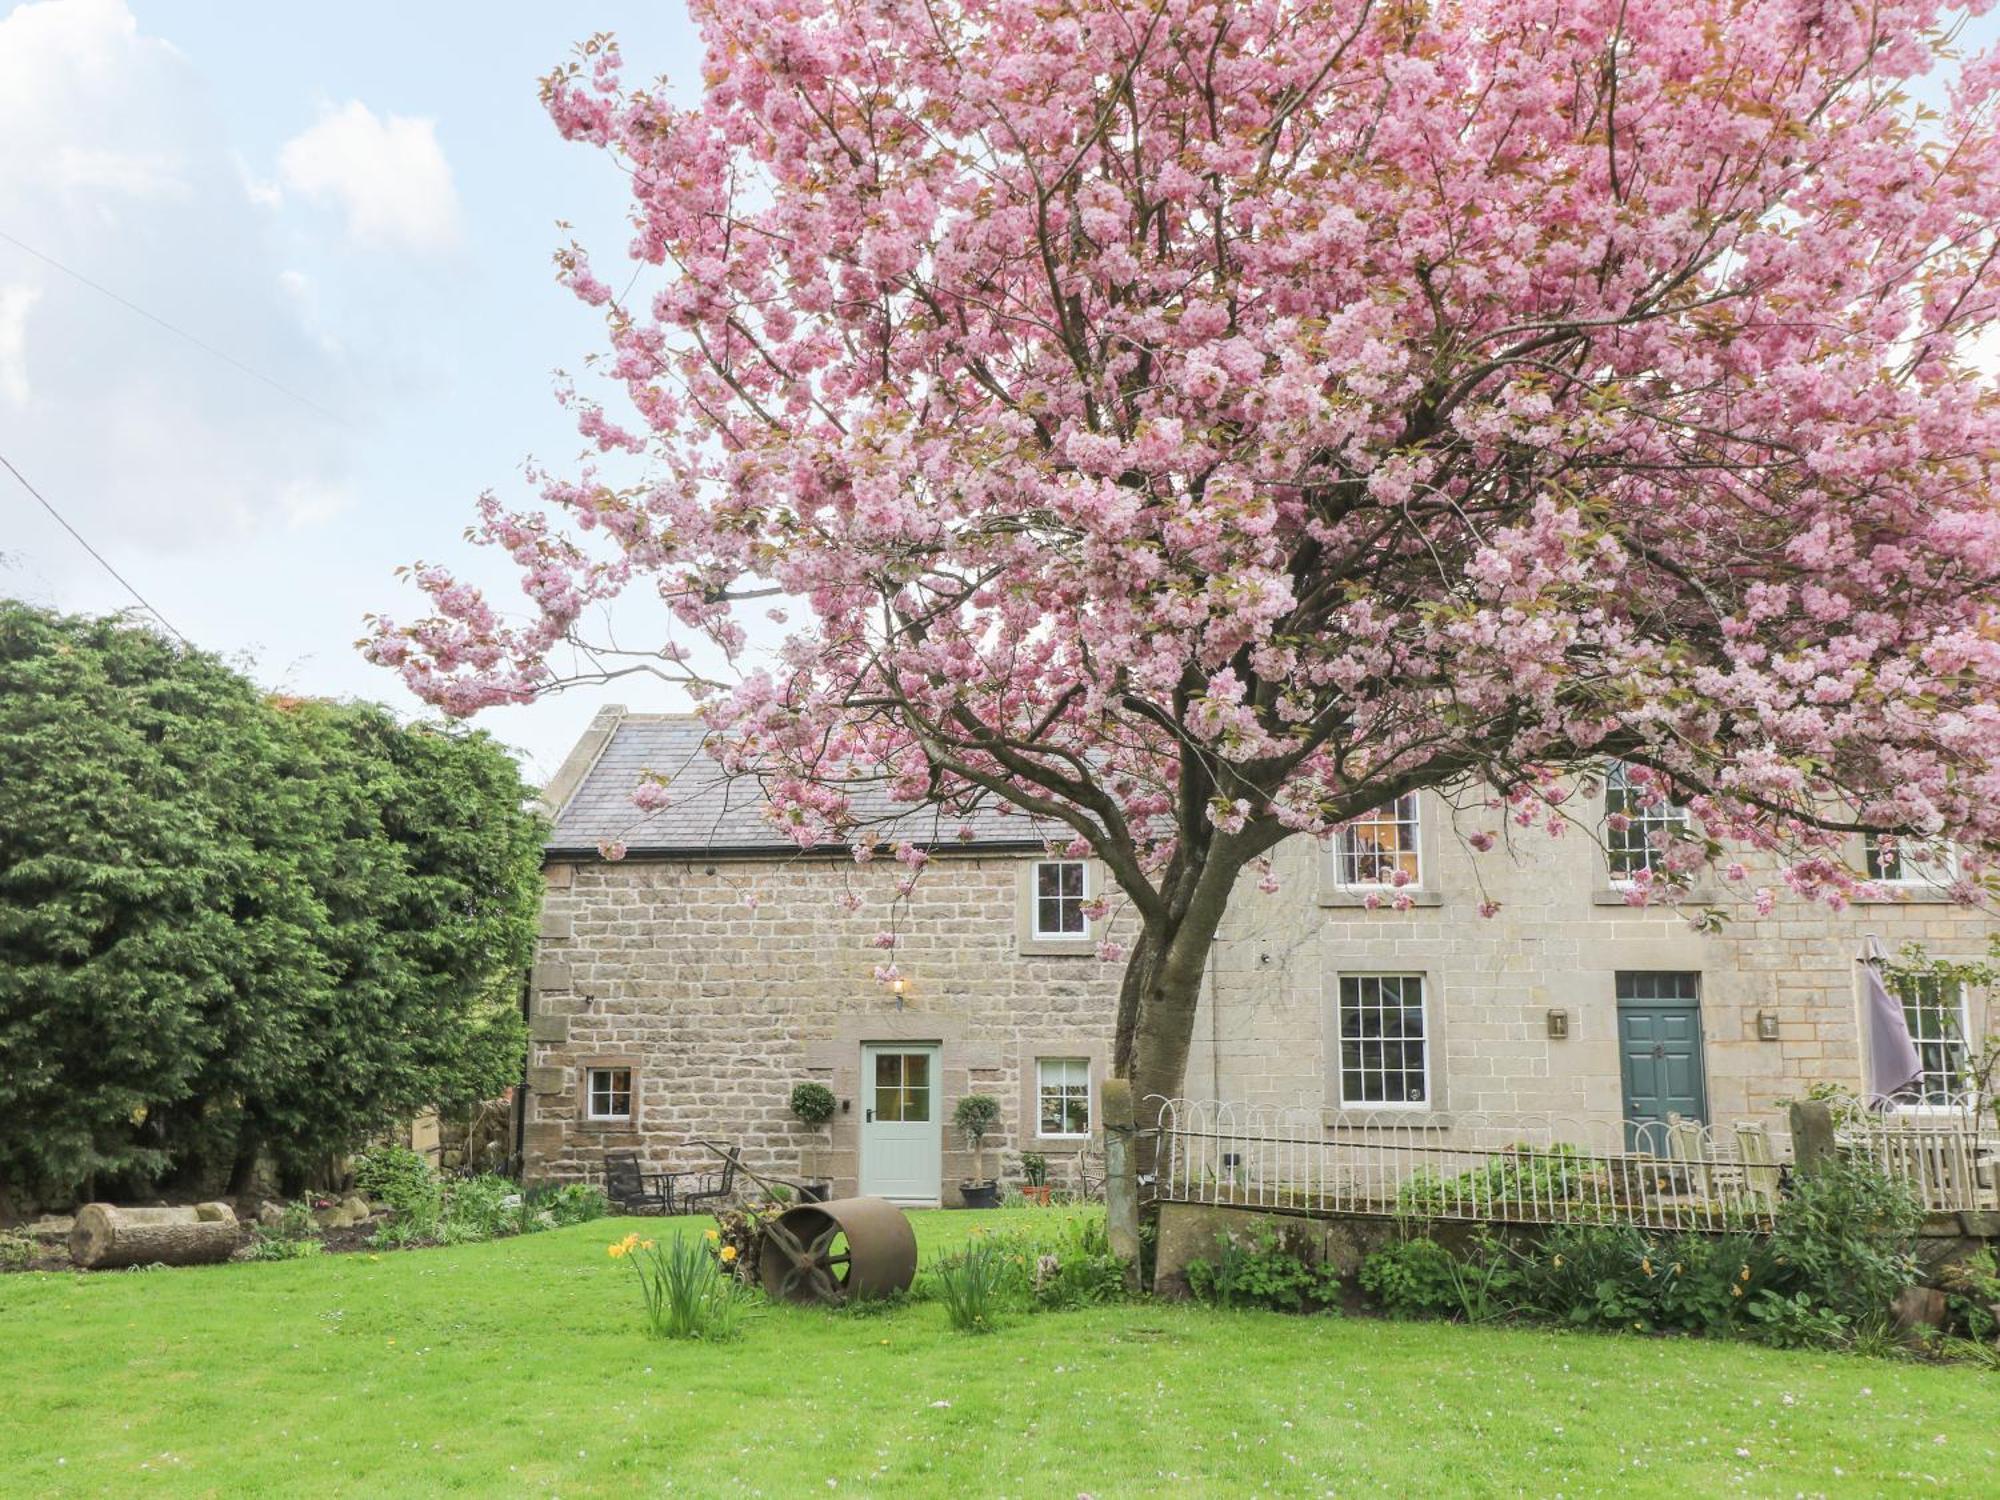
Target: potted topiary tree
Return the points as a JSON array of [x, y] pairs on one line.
[[814, 1105], [975, 1115]]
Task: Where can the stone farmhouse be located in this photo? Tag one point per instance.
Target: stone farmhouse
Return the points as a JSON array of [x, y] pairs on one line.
[[682, 990]]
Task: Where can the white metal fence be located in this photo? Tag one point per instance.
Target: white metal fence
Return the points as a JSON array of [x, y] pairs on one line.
[[1950, 1155], [1537, 1168]]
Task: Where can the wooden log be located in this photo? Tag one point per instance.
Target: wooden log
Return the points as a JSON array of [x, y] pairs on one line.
[[106, 1236]]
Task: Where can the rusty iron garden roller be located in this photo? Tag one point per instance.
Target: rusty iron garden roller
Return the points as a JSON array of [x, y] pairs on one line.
[[849, 1249]]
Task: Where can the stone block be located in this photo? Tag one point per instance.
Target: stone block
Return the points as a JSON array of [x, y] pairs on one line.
[[548, 1029], [552, 974], [547, 1080]]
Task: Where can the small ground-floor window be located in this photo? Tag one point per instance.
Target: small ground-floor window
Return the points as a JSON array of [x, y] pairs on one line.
[[1062, 1089], [1384, 1052], [609, 1096], [1935, 1009]]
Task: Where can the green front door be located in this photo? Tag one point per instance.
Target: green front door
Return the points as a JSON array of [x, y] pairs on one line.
[[1659, 1051]]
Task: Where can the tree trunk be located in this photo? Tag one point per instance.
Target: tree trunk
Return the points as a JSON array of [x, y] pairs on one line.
[[1156, 1014], [106, 1236], [243, 1174]]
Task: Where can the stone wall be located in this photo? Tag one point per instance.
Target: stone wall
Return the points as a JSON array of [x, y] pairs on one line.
[[720, 1007], [1558, 941]]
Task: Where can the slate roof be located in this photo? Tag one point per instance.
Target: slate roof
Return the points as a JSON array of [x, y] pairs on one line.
[[711, 814]]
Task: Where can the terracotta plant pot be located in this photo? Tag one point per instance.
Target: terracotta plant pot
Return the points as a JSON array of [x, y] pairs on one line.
[[1031, 1193]]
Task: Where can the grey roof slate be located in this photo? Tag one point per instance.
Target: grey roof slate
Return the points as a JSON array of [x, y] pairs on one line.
[[710, 813]]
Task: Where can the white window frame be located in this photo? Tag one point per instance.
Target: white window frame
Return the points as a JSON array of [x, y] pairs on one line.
[[631, 1091], [1954, 1098], [1644, 821], [1063, 1087], [1410, 842], [1931, 864], [1425, 1040], [1042, 934]]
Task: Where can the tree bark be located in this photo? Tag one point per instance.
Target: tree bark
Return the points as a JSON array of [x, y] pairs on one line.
[[1160, 995], [106, 1237]]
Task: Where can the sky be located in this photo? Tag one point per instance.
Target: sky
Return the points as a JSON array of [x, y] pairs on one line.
[[347, 212], [353, 207]]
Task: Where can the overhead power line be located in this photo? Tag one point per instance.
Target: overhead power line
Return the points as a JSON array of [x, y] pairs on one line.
[[175, 329], [102, 561]]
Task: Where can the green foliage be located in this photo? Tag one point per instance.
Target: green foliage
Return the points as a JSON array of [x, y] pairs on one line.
[[1972, 1293], [476, 1208], [1844, 1238], [432, 1211], [1982, 1353], [571, 1203], [1035, 1169], [686, 1293], [231, 924], [1058, 1263], [1262, 1274], [1418, 1277], [813, 1103], [972, 1285], [401, 1178], [294, 1237], [1838, 1255], [1521, 1174], [16, 1251], [1077, 1269], [975, 1116]]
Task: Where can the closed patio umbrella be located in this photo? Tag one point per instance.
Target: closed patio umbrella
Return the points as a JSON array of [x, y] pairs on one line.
[[1893, 1064]]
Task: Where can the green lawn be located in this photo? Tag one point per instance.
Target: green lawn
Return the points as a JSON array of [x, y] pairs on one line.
[[520, 1368]]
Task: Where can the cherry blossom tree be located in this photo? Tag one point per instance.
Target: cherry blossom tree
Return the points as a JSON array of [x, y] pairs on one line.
[[1196, 424]]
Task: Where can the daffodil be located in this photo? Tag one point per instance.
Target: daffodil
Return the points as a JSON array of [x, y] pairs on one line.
[[714, 1234], [728, 1254]]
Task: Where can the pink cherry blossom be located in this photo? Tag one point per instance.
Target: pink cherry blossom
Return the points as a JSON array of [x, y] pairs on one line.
[[1187, 427]]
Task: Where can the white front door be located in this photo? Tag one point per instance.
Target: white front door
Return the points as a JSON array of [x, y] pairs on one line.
[[902, 1146]]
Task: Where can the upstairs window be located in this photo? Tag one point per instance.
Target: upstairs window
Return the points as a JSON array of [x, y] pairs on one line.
[[1648, 826], [1059, 899], [609, 1096], [1902, 861], [1373, 851]]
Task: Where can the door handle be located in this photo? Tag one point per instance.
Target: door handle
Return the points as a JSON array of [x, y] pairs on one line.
[[871, 1117]]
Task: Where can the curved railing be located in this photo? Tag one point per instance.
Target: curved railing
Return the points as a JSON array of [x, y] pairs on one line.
[[1541, 1167], [1468, 1165]]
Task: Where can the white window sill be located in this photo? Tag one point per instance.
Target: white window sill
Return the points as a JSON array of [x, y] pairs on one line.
[[1380, 1117], [1058, 947], [1905, 895], [1356, 897], [1615, 896]]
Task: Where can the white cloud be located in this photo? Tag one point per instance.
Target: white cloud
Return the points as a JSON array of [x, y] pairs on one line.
[[14, 304], [116, 166], [389, 175]]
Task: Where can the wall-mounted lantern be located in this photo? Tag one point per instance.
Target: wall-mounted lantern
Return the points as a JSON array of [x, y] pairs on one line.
[[1559, 1025]]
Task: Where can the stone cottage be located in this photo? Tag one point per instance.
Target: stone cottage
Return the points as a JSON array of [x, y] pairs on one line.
[[684, 989]]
